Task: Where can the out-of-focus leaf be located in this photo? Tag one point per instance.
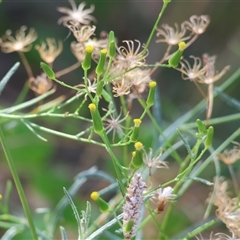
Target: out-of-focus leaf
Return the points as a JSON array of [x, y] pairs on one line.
[[227, 99], [9, 74], [63, 233]]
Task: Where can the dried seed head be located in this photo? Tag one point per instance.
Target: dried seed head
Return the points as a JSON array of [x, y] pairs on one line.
[[78, 15], [21, 42]]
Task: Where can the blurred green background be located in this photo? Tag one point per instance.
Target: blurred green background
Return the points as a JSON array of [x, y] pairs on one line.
[[44, 167]]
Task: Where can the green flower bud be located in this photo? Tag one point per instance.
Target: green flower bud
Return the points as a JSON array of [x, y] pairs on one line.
[[209, 138], [101, 63], [201, 126], [102, 204], [135, 134], [97, 121], [111, 45], [151, 93], [175, 59], [86, 64], [198, 135]]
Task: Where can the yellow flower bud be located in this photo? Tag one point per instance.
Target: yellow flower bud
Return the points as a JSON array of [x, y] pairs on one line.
[[151, 94], [101, 63], [86, 64], [92, 107], [138, 146], [89, 49], [102, 204], [97, 121], [135, 133], [137, 122], [182, 46], [94, 196], [175, 59]]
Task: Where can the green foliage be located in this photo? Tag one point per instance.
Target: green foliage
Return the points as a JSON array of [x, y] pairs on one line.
[[99, 120]]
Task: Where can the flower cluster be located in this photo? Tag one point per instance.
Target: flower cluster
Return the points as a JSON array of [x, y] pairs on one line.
[[203, 72], [128, 76], [21, 43], [111, 69], [230, 156], [189, 30], [228, 209], [79, 20]]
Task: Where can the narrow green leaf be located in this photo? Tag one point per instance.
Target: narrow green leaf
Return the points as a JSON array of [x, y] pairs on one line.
[[232, 102], [88, 213], [63, 233], [9, 74], [186, 144], [75, 212], [50, 73], [33, 131], [6, 197], [13, 231]]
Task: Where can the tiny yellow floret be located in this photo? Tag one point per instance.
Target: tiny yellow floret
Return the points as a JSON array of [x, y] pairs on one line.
[[152, 84], [182, 46], [133, 153], [104, 51], [0, 196], [138, 146], [137, 122], [89, 49], [94, 196], [92, 107]]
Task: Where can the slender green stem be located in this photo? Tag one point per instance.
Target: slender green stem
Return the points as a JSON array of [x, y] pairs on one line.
[[22, 94], [127, 126], [65, 135], [18, 185], [155, 26], [28, 103], [200, 229], [65, 85], [156, 125], [117, 166], [214, 121], [44, 114], [179, 177], [209, 159], [197, 172]]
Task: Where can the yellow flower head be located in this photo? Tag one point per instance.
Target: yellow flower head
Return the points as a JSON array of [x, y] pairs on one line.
[[94, 196], [138, 146]]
